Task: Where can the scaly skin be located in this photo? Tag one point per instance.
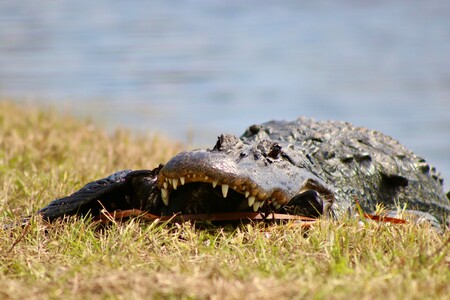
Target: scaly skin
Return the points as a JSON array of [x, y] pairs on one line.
[[360, 163], [300, 167]]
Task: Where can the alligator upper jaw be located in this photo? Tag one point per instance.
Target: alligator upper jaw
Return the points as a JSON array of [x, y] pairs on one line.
[[223, 175], [209, 182]]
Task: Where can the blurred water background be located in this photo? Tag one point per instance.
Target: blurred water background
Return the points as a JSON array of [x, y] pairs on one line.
[[193, 69]]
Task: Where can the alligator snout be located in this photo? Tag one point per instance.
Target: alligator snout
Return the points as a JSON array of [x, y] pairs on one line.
[[242, 178]]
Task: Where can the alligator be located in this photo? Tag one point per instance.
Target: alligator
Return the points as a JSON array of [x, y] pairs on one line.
[[303, 167]]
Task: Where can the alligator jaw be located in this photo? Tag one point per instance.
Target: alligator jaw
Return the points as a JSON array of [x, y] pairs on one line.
[[223, 175], [254, 195], [207, 181]]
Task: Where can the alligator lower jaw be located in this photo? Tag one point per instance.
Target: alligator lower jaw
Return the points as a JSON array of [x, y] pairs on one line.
[[240, 194]]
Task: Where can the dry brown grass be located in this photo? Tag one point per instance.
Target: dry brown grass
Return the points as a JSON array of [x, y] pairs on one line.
[[44, 155]]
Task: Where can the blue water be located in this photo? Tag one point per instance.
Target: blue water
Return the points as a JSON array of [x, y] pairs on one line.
[[193, 69]]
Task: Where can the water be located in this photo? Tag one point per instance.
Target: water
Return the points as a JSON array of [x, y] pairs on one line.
[[194, 69]]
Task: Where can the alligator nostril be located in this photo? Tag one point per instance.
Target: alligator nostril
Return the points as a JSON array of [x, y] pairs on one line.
[[227, 141]]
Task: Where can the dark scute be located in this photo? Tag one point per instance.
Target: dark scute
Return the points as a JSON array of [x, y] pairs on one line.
[[394, 180], [252, 130], [424, 167], [361, 157], [328, 154], [347, 158]]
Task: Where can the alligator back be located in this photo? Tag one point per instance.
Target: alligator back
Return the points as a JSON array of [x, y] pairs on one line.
[[360, 164]]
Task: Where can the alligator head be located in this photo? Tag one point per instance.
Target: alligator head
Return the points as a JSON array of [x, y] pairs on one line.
[[239, 176]]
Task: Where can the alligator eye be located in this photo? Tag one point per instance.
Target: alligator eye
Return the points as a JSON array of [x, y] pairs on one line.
[[275, 151]]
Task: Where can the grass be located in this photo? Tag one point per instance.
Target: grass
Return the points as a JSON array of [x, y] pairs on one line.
[[44, 154]]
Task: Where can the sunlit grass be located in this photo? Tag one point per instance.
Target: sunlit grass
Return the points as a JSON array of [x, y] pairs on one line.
[[44, 155]]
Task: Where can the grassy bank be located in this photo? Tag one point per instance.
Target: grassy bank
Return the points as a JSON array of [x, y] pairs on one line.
[[44, 155]]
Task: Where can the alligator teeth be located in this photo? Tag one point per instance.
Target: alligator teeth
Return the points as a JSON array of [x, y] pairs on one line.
[[175, 183], [251, 200], [165, 196], [256, 205], [225, 190]]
